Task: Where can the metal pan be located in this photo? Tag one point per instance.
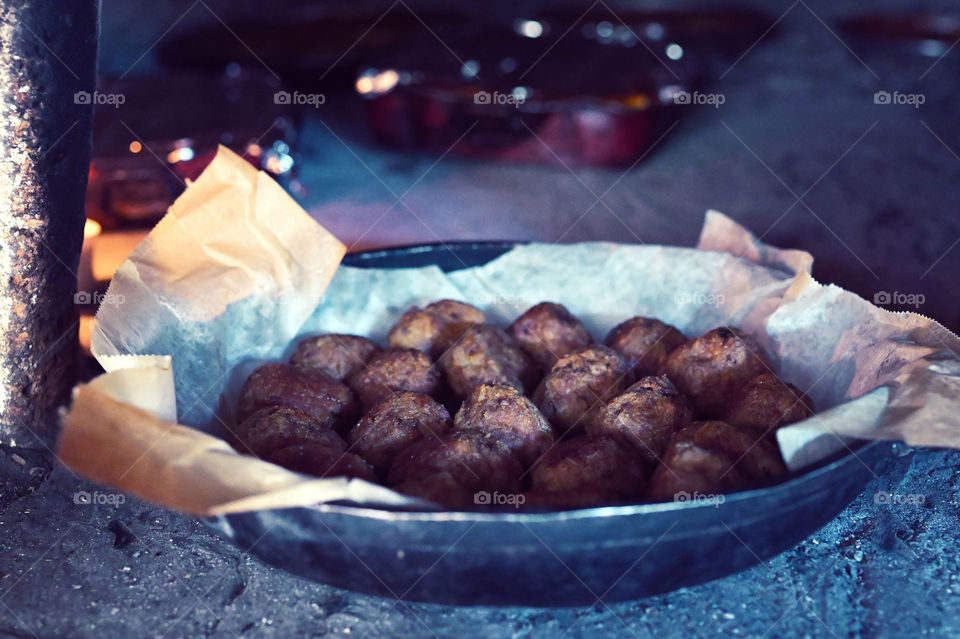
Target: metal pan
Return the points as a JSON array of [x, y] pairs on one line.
[[544, 559]]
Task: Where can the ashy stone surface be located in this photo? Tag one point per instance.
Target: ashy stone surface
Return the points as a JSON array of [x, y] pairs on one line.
[[877, 570]]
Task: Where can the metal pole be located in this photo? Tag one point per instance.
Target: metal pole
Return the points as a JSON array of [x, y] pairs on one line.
[[48, 52]]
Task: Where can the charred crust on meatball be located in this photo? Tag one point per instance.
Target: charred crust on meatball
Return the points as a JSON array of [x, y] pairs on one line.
[[688, 469], [335, 355], [322, 461], [435, 328], [486, 354], [645, 342], [274, 427], [505, 414], [547, 332], [395, 423], [645, 416], [578, 386], [395, 370], [755, 456], [712, 367], [588, 470], [311, 392], [766, 403], [451, 470]]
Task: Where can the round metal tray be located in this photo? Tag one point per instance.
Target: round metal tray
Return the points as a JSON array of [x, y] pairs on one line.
[[544, 559]]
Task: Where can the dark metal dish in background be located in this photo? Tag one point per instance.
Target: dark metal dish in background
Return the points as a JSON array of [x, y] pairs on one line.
[[544, 559], [579, 89], [929, 34], [905, 48], [306, 46], [712, 33], [594, 89]]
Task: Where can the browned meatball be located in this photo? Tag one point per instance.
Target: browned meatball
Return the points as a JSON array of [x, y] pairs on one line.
[[688, 469], [275, 427], [588, 471], [645, 342], [486, 354], [395, 370], [511, 418], [435, 328], [398, 421], [548, 332], [309, 391], [645, 416], [454, 469], [578, 386], [712, 367], [338, 356], [755, 456], [322, 461], [766, 403]]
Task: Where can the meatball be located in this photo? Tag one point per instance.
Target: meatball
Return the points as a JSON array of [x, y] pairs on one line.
[[337, 356], [766, 403], [688, 469], [578, 386], [645, 416], [322, 461], [398, 421], [435, 328], [503, 413], [274, 427], [454, 469], [645, 342], [486, 354], [309, 391], [712, 367], [599, 468], [755, 456], [395, 370], [548, 332]]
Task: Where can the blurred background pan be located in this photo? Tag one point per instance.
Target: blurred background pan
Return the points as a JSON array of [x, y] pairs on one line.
[[544, 559], [548, 87]]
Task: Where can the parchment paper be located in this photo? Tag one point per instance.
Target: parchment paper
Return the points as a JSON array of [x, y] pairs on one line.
[[237, 271]]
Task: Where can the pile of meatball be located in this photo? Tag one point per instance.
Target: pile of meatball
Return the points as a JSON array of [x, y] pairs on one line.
[[456, 409]]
